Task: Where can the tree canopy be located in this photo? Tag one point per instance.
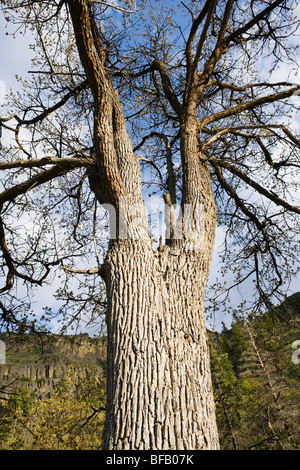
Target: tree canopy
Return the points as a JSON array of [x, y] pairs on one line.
[[160, 61]]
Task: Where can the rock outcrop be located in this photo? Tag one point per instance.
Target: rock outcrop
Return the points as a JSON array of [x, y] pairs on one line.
[[41, 362]]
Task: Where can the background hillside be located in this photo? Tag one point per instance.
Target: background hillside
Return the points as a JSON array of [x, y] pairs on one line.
[[52, 392], [52, 388], [256, 381]]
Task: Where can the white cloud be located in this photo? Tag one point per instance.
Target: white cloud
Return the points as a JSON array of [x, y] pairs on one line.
[[15, 54]]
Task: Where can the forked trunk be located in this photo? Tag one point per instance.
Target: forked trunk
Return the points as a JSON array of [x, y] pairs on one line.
[[159, 392]]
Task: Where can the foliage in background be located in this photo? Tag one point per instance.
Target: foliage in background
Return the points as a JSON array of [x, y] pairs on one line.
[[257, 385], [62, 421]]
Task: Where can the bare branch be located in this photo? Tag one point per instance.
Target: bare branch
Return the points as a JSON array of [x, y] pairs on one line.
[[233, 129], [248, 105], [100, 270], [260, 189], [240, 88], [41, 162], [232, 193], [74, 92], [115, 7], [263, 14], [143, 159], [10, 263], [41, 178], [207, 12], [167, 87], [193, 31], [81, 271]]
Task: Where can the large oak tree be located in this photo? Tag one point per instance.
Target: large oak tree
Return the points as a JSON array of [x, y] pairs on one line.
[[177, 97]]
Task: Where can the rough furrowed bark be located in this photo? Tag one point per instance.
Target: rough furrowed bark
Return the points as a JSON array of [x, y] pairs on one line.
[[159, 384], [159, 393]]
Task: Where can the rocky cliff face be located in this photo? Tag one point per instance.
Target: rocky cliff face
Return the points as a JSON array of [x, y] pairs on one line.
[[40, 362]]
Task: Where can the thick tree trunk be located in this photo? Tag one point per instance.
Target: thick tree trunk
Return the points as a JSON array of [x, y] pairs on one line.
[[159, 392]]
